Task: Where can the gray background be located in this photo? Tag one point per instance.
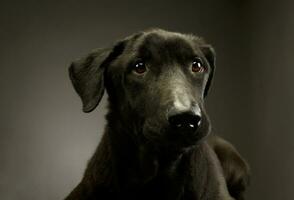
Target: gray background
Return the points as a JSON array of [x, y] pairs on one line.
[[46, 140]]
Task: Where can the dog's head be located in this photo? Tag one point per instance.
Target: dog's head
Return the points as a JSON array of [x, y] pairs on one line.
[[156, 81]]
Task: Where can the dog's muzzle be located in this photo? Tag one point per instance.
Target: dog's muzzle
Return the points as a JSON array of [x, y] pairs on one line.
[[185, 121]]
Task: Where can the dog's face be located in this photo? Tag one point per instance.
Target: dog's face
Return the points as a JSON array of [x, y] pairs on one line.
[[156, 81]]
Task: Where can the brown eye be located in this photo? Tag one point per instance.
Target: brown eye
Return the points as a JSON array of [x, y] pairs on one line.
[[139, 67], [197, 65]]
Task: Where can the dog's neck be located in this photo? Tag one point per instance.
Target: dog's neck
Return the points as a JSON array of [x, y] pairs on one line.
[[139, 166], [139, 169]]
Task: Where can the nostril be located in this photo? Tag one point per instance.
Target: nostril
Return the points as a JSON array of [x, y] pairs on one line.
[[187, 121]]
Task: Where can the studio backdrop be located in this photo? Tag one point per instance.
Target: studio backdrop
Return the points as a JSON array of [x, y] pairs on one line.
[[46, 139]]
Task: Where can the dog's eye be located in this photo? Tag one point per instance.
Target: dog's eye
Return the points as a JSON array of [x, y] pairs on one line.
[[197, 65], [139, 67]]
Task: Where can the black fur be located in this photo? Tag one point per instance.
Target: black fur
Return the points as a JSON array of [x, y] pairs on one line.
[[140, 155]]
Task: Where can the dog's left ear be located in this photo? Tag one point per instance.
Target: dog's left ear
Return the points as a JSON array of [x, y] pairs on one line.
[[87, 74], [209, 54]]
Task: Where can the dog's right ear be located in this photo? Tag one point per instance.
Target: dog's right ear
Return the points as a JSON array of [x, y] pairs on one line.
[[209, 54], [87, 75]]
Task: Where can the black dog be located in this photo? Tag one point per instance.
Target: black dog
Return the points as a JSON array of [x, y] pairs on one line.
[[156, 143]]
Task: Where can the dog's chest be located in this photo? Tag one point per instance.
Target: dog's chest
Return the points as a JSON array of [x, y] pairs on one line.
[[199, 180], [173, 187]]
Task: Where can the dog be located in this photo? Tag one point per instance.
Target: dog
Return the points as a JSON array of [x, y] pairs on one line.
[[156, 143]]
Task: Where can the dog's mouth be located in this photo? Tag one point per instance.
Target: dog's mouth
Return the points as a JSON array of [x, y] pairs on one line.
[[183, 136]]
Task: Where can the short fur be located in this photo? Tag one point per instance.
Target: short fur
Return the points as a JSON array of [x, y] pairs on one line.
[[140, 156]]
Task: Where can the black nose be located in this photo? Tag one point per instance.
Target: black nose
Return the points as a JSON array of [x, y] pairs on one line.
[[186, 121]]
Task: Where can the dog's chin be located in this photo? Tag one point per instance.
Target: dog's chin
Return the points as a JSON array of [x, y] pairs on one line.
[[162, 136], [175, 140], [184, 139]]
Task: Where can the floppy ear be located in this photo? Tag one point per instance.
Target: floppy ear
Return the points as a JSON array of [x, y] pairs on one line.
[[87, 75], [209, 54], [87, 78]]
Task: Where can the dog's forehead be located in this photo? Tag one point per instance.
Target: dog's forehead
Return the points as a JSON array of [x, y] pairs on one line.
[[164, 43]]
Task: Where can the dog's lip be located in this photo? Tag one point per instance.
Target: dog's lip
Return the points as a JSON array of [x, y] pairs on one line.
[[173, 138], [176, 138], [184, 137]]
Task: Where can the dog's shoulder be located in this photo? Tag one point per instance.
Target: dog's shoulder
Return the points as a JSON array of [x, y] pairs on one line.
[[235, 168]]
